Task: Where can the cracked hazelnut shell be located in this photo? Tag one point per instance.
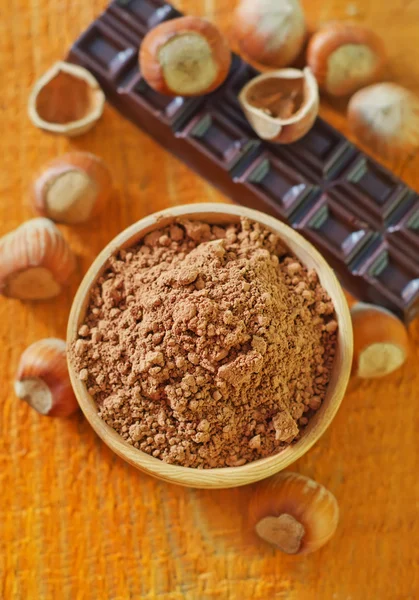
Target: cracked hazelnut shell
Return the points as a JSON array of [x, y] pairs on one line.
[[66, 100], [293, 513], [282, 105]]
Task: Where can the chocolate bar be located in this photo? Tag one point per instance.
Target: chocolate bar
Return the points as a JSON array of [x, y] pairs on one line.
[[361, 217]]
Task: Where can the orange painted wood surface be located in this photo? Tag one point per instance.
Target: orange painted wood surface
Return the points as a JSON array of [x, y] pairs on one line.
[[78, 523]]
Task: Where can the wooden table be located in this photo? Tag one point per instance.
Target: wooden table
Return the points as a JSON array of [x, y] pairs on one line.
[[78, 523]]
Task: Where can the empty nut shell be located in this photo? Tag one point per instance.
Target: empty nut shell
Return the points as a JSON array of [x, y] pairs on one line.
[[67, 100], [281, 106]]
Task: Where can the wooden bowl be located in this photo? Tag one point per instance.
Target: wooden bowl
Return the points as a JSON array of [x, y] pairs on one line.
[[259, 469]]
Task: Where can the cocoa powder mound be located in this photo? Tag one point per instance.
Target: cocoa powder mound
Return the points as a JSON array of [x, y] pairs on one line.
[[207, 346]]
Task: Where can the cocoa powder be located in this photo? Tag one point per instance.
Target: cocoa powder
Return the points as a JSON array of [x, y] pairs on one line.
[[207, 346]]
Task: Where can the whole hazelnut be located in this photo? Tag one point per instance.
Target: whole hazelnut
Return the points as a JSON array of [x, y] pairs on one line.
[[35, 261], [381, 342], [270, 32], [72, 188], [345, 57], [43, 381], [187, 56], [385, 117]]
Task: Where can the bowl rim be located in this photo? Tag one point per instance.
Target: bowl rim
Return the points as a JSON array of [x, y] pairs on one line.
[[227, 476]]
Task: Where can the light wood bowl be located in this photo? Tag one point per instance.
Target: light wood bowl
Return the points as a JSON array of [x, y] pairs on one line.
[[259, 469]]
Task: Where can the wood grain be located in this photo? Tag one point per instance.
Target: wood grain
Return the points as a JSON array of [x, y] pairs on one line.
[[76, 522]]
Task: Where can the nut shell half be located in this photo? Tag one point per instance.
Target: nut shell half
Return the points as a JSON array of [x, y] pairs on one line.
[[294, 513], [290, 125], [66, 100], [187, 56]]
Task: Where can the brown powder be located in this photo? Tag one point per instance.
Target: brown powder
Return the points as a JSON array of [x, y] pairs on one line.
[[207, 346]]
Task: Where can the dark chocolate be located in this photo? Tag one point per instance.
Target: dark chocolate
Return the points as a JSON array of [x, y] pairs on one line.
[[361, 217]]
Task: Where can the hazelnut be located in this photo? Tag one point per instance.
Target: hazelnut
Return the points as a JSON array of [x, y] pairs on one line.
[[294, 513], [67, 100], [185, 57], [381, 343], [385, 117], [345, 57], [270, 32], [281, 106], [72, 188], [42, 379], [35, 261]]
